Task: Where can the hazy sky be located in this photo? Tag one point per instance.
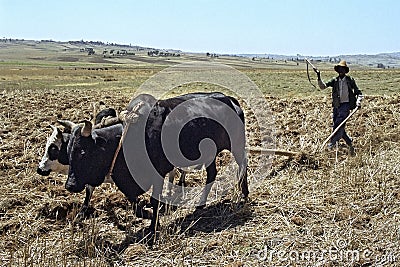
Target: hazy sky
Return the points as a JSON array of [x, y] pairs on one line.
[[290, 27]]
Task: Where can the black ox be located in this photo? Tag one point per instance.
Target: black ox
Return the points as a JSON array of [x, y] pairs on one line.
[[91, 151]]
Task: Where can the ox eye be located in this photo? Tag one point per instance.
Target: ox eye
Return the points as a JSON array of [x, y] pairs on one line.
[[83, 152], [53, 152]]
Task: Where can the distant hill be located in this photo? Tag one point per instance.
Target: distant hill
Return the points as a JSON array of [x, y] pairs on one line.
[[383, 60], [79, 43]]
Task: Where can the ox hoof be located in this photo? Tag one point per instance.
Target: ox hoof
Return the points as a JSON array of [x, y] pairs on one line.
[[145, 213], [149, 237], [84, 213]]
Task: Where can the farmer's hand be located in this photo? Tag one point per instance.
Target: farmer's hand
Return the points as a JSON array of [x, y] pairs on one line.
[[318, 73], [359, 99]]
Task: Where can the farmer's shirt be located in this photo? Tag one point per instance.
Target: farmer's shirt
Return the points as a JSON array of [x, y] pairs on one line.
[[340, 92], [343, 90]]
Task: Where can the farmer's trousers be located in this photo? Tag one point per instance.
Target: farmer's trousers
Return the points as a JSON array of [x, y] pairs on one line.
[[339, 114]]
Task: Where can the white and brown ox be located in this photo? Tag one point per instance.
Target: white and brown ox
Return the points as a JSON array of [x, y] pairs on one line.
[[55, 157]]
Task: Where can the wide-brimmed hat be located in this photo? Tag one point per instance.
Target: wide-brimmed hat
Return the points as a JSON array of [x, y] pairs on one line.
[[342, 64]]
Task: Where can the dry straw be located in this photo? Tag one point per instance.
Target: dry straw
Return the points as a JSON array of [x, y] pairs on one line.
[[313, 202]]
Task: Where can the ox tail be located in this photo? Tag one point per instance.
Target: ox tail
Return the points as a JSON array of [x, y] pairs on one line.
[[242, 173]]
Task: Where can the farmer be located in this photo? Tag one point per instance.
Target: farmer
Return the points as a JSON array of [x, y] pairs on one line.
[[345, 96]]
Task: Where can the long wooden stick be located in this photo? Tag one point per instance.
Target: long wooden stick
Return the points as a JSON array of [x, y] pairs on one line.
[[308, 73], [337, 129], [309, 62], [259, 150]]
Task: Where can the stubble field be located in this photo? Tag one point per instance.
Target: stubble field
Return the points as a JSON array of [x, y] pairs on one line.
[[316, 209]]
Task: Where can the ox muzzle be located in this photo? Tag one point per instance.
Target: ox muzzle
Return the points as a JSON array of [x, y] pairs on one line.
[[72, 185], [43, 172]]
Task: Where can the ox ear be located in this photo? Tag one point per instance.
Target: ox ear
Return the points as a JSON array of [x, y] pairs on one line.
[[68, 125], [87, 129]]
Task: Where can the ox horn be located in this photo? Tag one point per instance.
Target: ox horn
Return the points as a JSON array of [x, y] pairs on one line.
[[55, 129], [94, 105], [134, 114], [87, 129], [67, 124], [136, 108]]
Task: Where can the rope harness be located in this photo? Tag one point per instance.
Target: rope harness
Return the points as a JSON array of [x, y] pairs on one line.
[[128, 119]]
